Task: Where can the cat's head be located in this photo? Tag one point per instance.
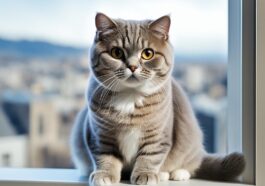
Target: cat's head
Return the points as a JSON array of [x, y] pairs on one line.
[[131, 54]]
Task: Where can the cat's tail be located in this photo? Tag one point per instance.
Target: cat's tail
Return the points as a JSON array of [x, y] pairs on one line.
[[227, 168]]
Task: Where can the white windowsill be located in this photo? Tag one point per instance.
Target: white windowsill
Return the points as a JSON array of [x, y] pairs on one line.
[[69, 177]]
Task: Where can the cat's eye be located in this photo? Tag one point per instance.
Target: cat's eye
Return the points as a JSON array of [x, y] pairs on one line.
[[117, 53], [147, 53]]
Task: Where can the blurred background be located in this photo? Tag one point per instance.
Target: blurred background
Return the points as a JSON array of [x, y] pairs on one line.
[[44, 69]]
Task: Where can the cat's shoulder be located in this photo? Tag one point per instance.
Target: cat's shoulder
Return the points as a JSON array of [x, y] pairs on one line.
[[176, 85]]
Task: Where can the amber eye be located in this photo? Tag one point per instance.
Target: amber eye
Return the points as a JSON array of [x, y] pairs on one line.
[[147, 53], [117, 53]]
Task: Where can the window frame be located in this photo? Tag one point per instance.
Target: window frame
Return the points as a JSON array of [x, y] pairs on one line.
[[248, 87], [241, 82], [246, 64], [260, 94]]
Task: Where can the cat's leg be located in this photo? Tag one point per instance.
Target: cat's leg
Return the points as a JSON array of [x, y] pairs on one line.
[[185, 162], [174, 167], [187, 150], [190, 164], [108, 170], [164, 176], [193, 161], [148, 163], [79, 150]]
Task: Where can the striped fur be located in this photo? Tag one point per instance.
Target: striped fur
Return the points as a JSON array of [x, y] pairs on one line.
[[140, 122]]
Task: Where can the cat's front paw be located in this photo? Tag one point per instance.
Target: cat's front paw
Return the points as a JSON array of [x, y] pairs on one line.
[[144, 178], [102, 178]]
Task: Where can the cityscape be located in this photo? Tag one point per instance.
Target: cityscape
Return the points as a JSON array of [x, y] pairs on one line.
[[42, 88]]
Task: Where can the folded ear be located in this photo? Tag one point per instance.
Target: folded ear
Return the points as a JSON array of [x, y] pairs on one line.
[[160, 27], [103, 22]]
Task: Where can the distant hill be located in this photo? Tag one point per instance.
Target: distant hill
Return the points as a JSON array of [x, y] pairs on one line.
[[36, 49], [26, 49]]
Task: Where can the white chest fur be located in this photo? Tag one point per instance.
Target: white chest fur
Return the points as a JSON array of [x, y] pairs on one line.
[[129, 143], [125, 102]]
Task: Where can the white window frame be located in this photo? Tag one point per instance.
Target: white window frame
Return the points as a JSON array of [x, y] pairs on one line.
[[246, 89], [241, 82], [247, 47], [260, 94]]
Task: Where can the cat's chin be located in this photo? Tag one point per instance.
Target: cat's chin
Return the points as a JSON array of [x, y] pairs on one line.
[[132, 84], [133, 80]]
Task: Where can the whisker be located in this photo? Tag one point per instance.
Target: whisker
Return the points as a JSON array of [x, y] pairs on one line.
[[100, 86], [112, 97], [105, 91]]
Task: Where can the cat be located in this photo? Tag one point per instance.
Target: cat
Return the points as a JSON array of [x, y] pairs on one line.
[[137, 119]]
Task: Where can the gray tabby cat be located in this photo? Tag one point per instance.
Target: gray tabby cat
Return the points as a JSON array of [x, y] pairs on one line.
[[137, 119]]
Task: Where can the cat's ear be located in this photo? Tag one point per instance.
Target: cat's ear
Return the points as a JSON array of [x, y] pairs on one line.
[[103, 22], [160, 27]]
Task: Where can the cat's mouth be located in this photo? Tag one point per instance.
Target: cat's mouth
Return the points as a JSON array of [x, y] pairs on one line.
[[132, 78]]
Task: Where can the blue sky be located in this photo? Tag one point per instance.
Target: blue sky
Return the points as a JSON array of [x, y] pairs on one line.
[[198, 26]]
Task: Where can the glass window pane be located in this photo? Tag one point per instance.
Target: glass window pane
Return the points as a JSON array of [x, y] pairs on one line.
[[44, 69]]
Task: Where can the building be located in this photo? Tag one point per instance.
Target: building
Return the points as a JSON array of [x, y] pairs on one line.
[[14, 148], [212, 117], [14, 151], [49, 134], [35, 132]]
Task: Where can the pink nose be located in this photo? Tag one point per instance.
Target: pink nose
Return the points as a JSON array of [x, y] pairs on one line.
[[132, 68]]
